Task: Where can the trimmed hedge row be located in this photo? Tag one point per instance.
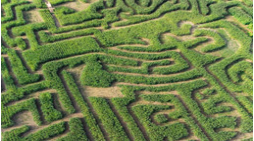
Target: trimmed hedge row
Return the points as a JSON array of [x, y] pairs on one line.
[[110, 123], [210, 106], [45, 37], [14, 134], [9, 14], [158, 80], [121, 106], [19, 21], [241, 68], [179, 65], [46, 133], [235, 33], [67, 16], [19, 69], [89, 118], [48, 19], [9, 111], [53, 81], [164, 8], [76, 133], [15, 94], [39, 4], [240, 15], [7, 78], [56, 2], [172, 132], [247, 103], [219, 42], [47, 107], [59, 50], [29, 30], [144, 8]]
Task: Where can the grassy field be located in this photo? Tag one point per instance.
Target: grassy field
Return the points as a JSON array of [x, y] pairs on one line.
[[127, 70]]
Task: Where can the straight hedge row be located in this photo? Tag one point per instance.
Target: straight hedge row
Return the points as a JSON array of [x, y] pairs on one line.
[[89, 118], [109, 120]]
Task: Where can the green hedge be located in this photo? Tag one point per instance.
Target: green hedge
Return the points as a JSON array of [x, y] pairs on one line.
[[109, 120], [9, 111], [76, 131], [19, 69], [59, 50], [46, 133], [121, 106], [89, 118], [47, 107]]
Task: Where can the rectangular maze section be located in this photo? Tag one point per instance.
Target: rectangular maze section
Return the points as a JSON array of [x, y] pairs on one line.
[[127, 70]]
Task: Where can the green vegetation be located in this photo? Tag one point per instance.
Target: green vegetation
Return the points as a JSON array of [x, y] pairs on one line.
[[108, 119], [127, 70], [47, 108], [76, 131]]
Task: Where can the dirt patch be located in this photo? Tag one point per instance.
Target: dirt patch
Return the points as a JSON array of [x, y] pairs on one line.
[[24, 118], [20, 119], [113, 91], [232, 45], [76, 5], [165, 37], [33, 16], [243, 136]]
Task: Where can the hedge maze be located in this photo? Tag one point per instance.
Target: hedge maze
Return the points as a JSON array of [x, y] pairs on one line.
[[124, 70]]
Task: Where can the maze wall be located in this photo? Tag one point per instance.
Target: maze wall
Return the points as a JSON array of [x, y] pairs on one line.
[[126, 70]]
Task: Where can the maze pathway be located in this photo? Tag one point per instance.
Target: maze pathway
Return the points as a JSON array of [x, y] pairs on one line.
[[139, 70]]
